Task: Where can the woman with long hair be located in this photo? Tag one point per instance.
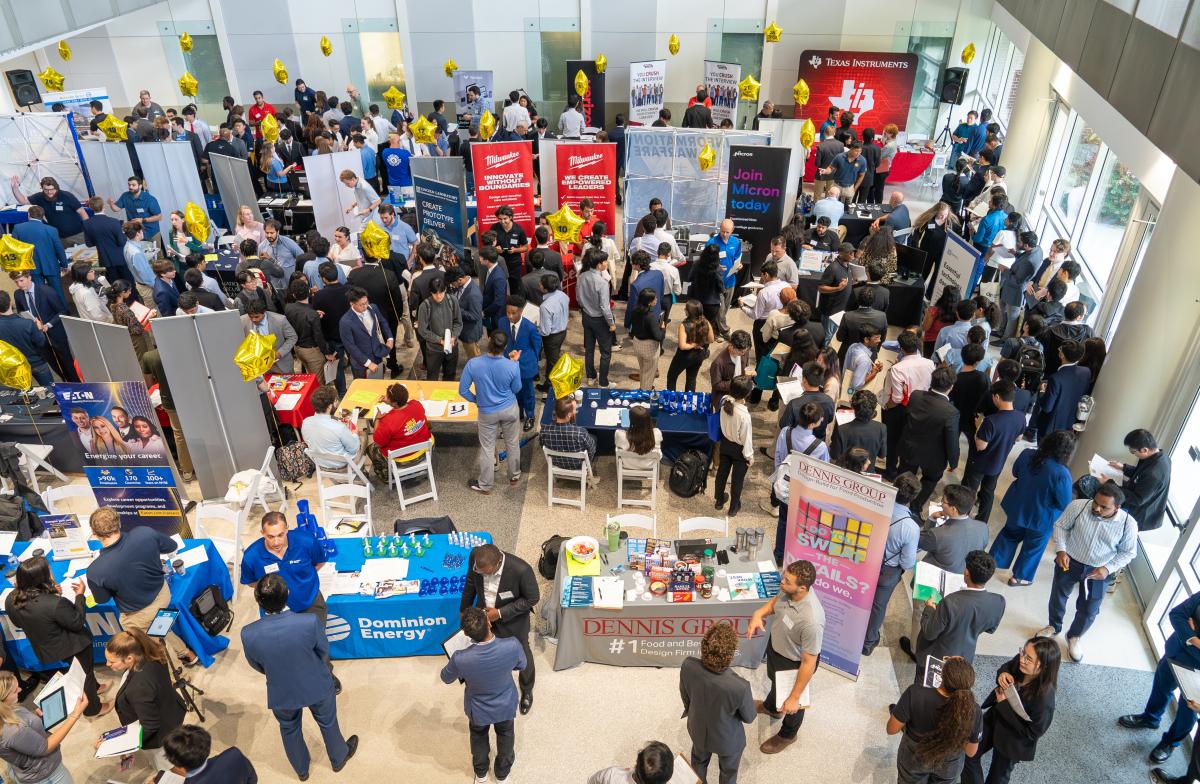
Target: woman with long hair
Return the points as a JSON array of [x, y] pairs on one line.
[[736, 447], [827, 358], [647, 333], [32, 753], [952, 185], [118, 297], [56, 627], [247, 228], [145, 441], [940, 314], [988, 314], [793, 237], [694, 335], [640, 441], [271, 166], [929, 232], [179, 243], [1040, 491], [106, 440], [1010, 737], [312, 130], [85, 292], [1094, 354], [890, 132], [146, 694], [880, 246], [708, 285], [941, 726]]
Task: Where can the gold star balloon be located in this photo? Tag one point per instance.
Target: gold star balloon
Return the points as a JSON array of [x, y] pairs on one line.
[[423, 131], [195, 220], [748, 88], [773, 33], [487, 124], [376, 241], [326, 47], [565, 224], [14, 368], [185, 42], [255, 355], [52, 79], [968, 54], [450, 67], [566, 376], [394, 98], [64, 50], [801, 93], [601, 63], [15, 255], [808, 134], [270, 128], [673, 44], [707, 157], [114, 130], [581, 84], [280, 71], [188, 84]]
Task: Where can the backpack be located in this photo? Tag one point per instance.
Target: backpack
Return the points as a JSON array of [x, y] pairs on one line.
[[294, 465], [689, 474], [548, 560], [15, 516], [212, 611], [1033, 365], [781, 482]]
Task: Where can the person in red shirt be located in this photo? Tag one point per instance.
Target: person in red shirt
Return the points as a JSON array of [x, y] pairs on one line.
[[403, 426], [258, 111]]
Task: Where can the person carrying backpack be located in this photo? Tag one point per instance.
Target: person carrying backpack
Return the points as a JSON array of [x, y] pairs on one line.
[[794, 440]]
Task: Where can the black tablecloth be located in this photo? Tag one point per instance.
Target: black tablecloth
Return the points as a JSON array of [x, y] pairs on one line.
[[904, 299], [40, 423]]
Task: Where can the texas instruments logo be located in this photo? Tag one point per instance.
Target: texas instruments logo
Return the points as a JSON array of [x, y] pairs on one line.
[[815, 62], [583, 161], [856, 98], [501, 160]]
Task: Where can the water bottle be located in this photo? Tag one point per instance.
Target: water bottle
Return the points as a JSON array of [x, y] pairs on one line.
[[367, 553]]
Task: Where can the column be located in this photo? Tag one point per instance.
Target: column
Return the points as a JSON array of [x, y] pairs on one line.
[[1025, 140]]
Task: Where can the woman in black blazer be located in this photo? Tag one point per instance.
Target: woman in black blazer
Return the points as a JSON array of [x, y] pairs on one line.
[[1010, 738], [145, 693], [54, 626]]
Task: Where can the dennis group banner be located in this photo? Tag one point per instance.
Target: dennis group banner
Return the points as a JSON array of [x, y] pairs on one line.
[[721, 81], [647, 86], [876, 86], [838, 520], [756, 194], [125, 456], [504, 176], [440, 210], [589, 171], [592, 103]]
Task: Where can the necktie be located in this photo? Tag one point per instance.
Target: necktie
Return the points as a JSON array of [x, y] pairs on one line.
[[33, 306], [516, 329]]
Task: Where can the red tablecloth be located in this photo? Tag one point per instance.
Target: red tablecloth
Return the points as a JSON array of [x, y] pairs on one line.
[[303, 409], [908, 166]]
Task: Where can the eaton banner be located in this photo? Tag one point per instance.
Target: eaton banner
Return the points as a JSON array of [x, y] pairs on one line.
[[591, 106], [838, 521], [647, 86], [876, 87], [504, 178], [588, 171], [440, 209], [721, 82], [757, 191]]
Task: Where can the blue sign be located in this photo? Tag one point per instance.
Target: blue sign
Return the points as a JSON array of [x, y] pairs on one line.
[[440, 209]]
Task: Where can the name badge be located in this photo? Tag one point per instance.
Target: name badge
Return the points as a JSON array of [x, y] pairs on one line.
[[931, 226], [513, 241], [141, 211], [506, 595], [788, 621], [721, 255], [271, 568], [58, 207]]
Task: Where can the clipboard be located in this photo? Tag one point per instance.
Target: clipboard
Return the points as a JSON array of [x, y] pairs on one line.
[[456, 642]]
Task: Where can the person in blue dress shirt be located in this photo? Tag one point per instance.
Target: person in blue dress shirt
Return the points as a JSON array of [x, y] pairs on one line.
[[899, 555], [139, 205], [979, 133], [403, 236], [187, 748], [553, 316], [282, 249]]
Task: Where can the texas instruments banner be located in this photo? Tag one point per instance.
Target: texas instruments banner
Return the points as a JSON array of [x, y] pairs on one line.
[[647, 86], [721, 81], [589, 171], [838, 521], [504, 177], [876, 86], [756, 195], [592, 104]]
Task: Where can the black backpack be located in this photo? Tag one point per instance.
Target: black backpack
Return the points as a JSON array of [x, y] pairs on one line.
[[548, 560], [1033, 365], [689, 474], [212, 611]]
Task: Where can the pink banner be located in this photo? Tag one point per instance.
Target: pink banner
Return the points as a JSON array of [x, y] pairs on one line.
[[838, 520]]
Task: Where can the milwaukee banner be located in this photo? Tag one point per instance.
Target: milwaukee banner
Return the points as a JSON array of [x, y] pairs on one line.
[[504, 177], [876, 87], [589, 171], [591, 105], [756, 193]]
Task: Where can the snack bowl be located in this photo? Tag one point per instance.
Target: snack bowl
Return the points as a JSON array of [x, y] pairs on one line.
[[658, 587], [583, 548]]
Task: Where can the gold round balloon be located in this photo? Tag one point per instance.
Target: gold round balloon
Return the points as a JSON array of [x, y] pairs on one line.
[[566, 376], [255, 355], [748, 88], [487, 124], [707, 157], [15, 255], [808, 134], [581, 84], [51, 79], [114, 130], [195, 220], [15, 371], [64, 50], [673, 44], [185, 42], [270, 128], [376, 241], [565, 224], [601, 63], [450, 67], [773, 33], [801, 93], [423, 131], [188, 84], [326, 47], [394, 98], [280, 71], [968, 54]]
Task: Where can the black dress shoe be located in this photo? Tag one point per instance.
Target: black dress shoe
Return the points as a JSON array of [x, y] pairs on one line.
[[526, 702], [1160, 776], [1162, 752], [303, 777], [867, 650], [720, 501], [734, 509], [1137, 721], [906, 646], [337, 685], [352, 746]]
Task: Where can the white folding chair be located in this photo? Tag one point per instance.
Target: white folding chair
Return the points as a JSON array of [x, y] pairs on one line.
[[55, 496], [230, 547], [901, 237], [648, 523], [267, 485], [579, 475], [35, 457], [720, 524], [399, 471], [637, 475], [346, 497], [349, 474], [227, 240]]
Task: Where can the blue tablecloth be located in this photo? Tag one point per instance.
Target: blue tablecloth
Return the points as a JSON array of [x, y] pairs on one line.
[[680, 431], [363, 627], [103, 618]]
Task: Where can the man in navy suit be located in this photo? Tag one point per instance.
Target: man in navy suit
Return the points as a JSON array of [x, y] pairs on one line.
[[365, 334], [48, 253], [187, 748], [44, 305], [525, 347], [486, 666], [166, 296], [23, 335], [104, 233], [298, 680], [1056, 408], [470, 304], [495, 289]]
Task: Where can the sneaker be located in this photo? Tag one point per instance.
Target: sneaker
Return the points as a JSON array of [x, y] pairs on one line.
[[516, 480], [616, 346], [482, 780], [1137, 721], [474, 485], [1074, 648], [1046, 631], [528, 425]]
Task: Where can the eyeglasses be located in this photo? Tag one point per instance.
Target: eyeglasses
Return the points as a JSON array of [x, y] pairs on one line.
[[1026, 658]]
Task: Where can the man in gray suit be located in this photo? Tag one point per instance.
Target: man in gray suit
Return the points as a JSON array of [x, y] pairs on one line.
[[1014, 280], [257, 319], [716, 702], [946, 542], [952, 627]]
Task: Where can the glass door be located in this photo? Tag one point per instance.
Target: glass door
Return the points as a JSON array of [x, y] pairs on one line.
[[1129, 259]]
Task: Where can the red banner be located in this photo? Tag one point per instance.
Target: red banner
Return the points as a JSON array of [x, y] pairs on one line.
[[504, 177], [589, 171], [876, 86]]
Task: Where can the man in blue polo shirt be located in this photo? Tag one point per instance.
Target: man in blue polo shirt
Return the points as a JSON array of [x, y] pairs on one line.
[[139, 205], [730, 251], [296, 557], [848, 170]]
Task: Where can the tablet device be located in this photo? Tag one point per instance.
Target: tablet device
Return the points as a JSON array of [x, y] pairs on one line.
[[54, 708], [162, 623]]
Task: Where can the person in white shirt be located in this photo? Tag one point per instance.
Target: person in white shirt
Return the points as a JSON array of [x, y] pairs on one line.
[[343, 251], [366, 201], [669, 271], [789, 273], [571, 122], [382, 125], [655, 765], [736, 445], [639, 447], [662, 235], [515, 114]]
